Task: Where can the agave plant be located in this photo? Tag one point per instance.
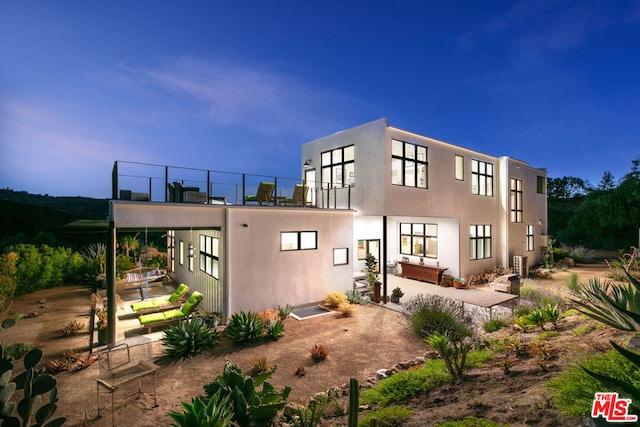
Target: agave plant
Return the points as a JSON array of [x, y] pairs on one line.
[[274, 330], [189, 338], [619, 307], [244, 328], [218, 412]]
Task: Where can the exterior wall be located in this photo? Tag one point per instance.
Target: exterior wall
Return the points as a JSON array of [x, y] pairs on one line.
[[262, 276], [445, 198]]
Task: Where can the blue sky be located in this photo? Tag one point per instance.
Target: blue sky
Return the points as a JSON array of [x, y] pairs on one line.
[[241, 85]]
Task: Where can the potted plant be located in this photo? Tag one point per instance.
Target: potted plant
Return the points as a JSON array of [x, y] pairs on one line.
[[447, 281], [101, 325], [371, 268], [459, 282], [396, 294]]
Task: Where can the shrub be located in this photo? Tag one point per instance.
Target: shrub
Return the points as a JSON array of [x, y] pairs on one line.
[[334, 299], [250, 405], [540, 297], [430, 313], [274, 330], [541, 316], [259, 366], [189, 338], [493, 325], [355, 297], [284, 312], [244, 328], [404, 385], [318, 353], [391, 416], [573, 389], [471, 422], [18, 350], [346, 309], [218, 412], [268, 315], [544, 336], [453, 348]]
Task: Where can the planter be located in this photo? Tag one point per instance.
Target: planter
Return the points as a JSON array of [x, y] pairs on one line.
[[395, 299], [376, 292], [447, 282], [103, 337], [458, 284]]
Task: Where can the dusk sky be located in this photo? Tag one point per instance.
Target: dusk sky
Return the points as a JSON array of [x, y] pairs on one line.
[[241, 85]]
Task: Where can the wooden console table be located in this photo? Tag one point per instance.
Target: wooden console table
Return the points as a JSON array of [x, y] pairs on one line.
[[422, 272]]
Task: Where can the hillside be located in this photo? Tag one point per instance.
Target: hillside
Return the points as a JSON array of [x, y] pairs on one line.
[[30, 214]]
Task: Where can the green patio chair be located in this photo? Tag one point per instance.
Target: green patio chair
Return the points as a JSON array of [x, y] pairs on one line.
[[263, 195], [153, 306], [171, 316]]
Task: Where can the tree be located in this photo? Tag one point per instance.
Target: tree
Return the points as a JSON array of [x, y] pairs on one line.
[[567, 187], [606, 183], [130, 243]]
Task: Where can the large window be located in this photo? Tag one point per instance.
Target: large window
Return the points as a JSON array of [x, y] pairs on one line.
[[530, 237], [209, 255], [481, 178], [408, 164], [479, 242], [171, 250], [298, 240], [338, 167], [181, 252], [419, 240], [516, 200]]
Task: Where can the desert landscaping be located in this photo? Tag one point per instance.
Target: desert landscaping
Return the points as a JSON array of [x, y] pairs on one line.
[[373, 342]]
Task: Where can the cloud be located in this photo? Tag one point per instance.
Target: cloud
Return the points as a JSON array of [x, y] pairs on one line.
[[262, 100]]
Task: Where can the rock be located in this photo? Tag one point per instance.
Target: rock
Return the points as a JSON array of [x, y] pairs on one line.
[[569, 262], [381, 373]]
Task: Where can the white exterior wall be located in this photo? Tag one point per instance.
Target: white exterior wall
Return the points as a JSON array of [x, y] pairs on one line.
[[254, 273], [447, 201], [262, 276]]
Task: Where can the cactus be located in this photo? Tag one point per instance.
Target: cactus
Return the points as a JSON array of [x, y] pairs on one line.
[[353, 403], [34, 383]]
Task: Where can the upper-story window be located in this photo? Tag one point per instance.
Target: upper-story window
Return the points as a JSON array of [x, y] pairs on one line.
[[408, 164], [458, 167], [481, 178], [542, 185], [516, 200], [338, 167]]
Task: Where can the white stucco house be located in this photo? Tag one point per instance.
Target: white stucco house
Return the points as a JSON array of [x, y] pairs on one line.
[[371, 189]]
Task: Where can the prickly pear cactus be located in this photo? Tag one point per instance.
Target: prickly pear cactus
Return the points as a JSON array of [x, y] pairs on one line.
[[35, 383]]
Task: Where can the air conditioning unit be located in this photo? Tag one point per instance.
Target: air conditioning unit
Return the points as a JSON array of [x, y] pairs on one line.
[[520, 266]]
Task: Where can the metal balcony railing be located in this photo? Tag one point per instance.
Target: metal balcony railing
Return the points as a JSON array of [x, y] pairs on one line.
[[161, 183]]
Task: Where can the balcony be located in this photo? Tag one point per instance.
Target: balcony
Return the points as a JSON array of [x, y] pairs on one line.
[[145, 182]]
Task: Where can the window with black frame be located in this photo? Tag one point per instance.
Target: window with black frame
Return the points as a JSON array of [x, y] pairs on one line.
[[409, 164], [481, 178], [338, 167], [479, 242], [209, 255], [419, 240], [516, 199]]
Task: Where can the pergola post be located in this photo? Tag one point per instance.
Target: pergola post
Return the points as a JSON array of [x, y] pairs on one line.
[[111, 284]]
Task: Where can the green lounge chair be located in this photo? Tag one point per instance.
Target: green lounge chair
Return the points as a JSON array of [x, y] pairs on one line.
[[153, 306], [171, 316], [263, 195]]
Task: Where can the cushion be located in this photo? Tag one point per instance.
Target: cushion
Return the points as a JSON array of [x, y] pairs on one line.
[[175, 297], [191, 302], [151, 318], [143, 305], [173, 314]]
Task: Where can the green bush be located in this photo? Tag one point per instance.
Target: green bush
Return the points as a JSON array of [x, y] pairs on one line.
[[218, 412], [123, 263], [274, 330], [573, 390], [250, 405], [427, 314], [391, 416], [407, 384], [188, 338], [40, 267], [471, 422], [493, 325], [18, 350], [244, 328]]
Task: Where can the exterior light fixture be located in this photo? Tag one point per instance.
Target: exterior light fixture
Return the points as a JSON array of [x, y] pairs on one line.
[[307, 163]]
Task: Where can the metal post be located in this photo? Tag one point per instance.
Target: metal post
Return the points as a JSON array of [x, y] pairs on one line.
[[384, 259], [111, 284], [244, 184], [166, 184]]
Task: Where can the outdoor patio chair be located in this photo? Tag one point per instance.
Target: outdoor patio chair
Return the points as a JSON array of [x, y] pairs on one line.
[[298, 197], [156, 305], [263, 195], [171, 316]]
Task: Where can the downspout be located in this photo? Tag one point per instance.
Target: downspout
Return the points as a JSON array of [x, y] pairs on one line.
[[111, 283], [384, 259]]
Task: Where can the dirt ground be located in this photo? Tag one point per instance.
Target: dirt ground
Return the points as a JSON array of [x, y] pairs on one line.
[[374, 338]]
